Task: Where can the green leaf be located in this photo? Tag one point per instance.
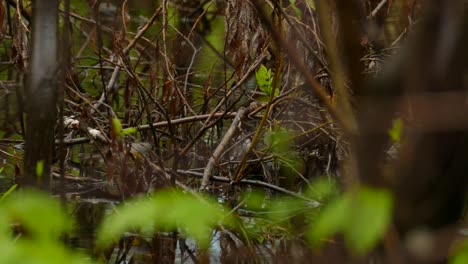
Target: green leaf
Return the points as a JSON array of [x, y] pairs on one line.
[[322, 189], [311, 4], [128, 131], [254, 200], [37, 213], [461, 254], [117, 127], [330, 221], [40, 168], [372, 211], [396, 131], [165, 210], [264, 79], [279, 140], [362, 215], [283, 208], [296, 9]]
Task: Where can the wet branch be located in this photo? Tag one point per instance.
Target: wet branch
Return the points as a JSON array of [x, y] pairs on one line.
[[208, 172]]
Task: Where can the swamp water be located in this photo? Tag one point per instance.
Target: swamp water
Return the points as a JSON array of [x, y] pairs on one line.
[[136, 248]]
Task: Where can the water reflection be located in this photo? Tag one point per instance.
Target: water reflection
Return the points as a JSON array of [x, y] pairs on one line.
[[163, 247]]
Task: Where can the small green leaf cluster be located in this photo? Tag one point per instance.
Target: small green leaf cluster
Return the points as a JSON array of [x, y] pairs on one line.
[[264, 79]]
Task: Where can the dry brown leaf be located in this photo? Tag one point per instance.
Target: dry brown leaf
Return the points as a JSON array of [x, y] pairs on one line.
[[20, 43], [244, 33]]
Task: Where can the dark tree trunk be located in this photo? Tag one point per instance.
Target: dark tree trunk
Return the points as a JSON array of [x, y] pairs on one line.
[[427, 80], [41, 95]]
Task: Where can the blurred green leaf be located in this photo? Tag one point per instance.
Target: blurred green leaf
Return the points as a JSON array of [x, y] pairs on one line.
[[129, 131], [40, 168], [279, 143], [254, 200], [331, 220], [39, 214], [117, 127], [31, 252], [285, 207], [362, 215], [322, 189], [292, 163], [311, 3], [165, 211], [296, 9], [79, 7], [461, 254], [43, 222], [278, 140], [396, 131], [370, 217]]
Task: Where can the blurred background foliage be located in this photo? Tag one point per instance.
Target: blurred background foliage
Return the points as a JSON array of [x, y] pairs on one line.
[[322, 170]]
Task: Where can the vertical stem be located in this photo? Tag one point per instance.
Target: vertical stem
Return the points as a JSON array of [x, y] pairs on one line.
[[65, 62], [41, 95], [276, 82]]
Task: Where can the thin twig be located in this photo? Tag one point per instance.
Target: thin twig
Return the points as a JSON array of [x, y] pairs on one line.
[[179, 121], [295, 58], [252, 182], [377, 9], [276, 85], [208, 172], [207, 123], [125, 51]]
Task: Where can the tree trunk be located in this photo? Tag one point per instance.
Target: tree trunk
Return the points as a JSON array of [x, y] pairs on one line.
[[41, 95]]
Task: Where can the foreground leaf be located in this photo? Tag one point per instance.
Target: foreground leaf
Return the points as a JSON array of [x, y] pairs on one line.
[[40, 215], [461, 254], [369, 219], [396, 131], [42, 222], [330, 221], [362, 215], [166, 210]]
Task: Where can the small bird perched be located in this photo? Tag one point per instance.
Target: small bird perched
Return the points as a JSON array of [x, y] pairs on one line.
[[141, 149]]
